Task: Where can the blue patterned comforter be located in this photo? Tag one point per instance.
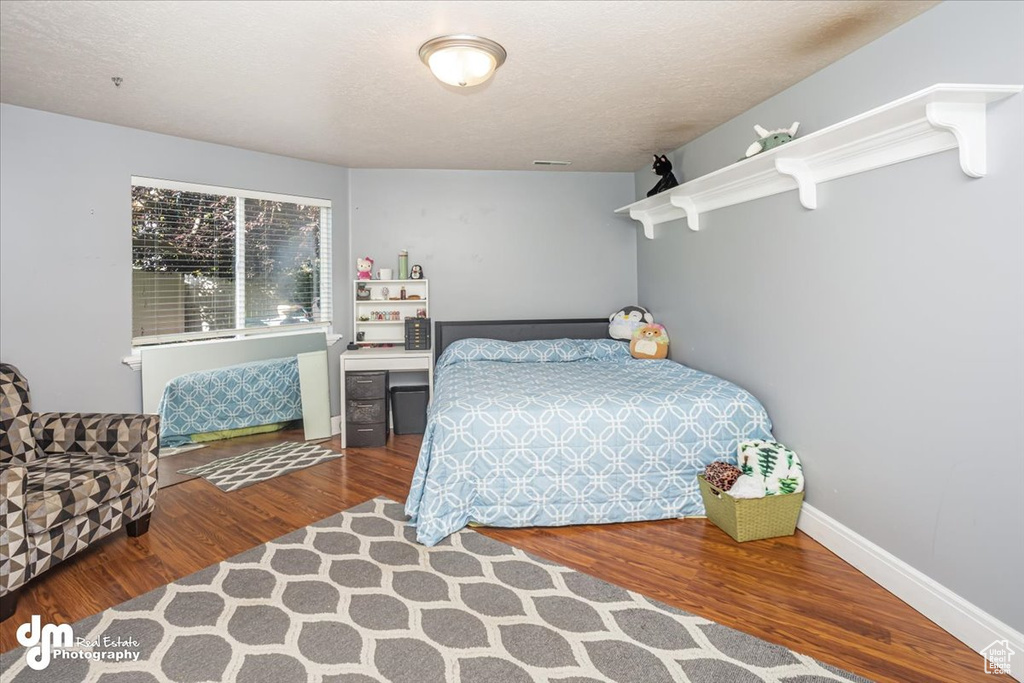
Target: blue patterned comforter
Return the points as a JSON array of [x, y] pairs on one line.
[[245, 395], [551, 433]]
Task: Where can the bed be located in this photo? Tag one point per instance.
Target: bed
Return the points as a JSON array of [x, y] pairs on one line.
[[561, 426]]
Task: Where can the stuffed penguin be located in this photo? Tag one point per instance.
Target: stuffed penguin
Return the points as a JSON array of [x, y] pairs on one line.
[[624, 322], [649, 342]]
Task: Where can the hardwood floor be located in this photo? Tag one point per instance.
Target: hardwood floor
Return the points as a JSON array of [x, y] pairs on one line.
[[790, 591]]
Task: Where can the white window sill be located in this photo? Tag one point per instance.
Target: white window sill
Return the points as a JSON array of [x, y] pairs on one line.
[[134, 361]]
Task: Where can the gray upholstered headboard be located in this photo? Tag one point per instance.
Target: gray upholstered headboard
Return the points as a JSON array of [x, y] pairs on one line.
[[517, 330]]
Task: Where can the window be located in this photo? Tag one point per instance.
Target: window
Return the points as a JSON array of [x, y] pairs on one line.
[[214, 262]]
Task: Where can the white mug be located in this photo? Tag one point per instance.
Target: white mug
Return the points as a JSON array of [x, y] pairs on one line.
[[384, 274]]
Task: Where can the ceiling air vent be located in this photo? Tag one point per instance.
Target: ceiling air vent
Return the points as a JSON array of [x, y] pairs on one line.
[[542, 162]]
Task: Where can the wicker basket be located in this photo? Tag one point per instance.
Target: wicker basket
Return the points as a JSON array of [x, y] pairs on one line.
[[751, 519]]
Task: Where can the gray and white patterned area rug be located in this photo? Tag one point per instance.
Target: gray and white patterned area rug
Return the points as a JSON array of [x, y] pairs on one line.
[[231, 474], [352, 598]]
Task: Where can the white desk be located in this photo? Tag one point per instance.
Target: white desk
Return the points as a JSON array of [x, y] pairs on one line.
[[394, 360]]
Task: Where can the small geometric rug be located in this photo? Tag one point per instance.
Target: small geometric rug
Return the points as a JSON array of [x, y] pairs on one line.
[[231, 474], [353, 598]]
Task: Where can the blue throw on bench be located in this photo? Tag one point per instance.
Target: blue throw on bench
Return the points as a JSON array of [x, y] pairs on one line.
[[245, 395]]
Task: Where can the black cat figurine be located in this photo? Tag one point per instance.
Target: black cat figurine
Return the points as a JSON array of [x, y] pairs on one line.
[[663, 167]]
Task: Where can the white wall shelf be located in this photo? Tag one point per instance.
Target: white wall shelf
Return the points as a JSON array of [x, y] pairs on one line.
[[391, 301], [932, 120], [376, 282]]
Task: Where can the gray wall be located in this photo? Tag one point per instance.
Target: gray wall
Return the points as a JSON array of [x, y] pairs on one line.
[[65, 244], [495, 244], [501, 244], [884, 332]]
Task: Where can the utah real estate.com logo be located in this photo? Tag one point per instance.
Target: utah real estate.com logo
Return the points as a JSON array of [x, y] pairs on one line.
[[50, 641], [997, 657]]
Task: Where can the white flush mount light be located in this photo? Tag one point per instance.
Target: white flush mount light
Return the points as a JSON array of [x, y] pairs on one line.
[[462, 60]]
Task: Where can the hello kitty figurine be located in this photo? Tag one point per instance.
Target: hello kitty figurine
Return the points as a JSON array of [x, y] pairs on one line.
[[365, 267]]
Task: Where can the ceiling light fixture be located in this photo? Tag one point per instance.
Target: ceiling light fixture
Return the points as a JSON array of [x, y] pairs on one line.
[[462, 60]]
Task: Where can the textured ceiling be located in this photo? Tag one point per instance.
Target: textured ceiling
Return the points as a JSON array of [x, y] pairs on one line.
[[603, 84]]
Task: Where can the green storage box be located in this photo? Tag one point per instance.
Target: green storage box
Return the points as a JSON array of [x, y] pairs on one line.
[[753, 519]]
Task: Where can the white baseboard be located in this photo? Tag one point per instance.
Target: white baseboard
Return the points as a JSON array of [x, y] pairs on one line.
[[335, 425], [965, 621]]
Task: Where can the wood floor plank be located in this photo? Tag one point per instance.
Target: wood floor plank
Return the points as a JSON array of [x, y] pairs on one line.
[[790, 591]]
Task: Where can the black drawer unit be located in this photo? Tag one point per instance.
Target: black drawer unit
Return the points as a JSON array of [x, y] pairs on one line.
[[370, 384], [366, 408], [366, 411], [417, 334], [366, 436]]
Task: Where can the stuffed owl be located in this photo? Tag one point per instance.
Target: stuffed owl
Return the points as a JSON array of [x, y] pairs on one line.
[[649, 342], [624, 322]]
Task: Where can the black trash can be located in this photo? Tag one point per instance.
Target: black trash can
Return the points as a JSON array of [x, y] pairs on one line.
[[409, 409]]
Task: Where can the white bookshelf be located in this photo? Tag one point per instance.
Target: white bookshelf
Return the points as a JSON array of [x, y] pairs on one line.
[[387, 331]]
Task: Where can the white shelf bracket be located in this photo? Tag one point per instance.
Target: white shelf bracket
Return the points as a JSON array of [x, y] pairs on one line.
[[645, 220], [799, 171], [687, 205], [966, 121]]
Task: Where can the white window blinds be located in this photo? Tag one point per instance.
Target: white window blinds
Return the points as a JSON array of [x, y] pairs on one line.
[[213, 262]]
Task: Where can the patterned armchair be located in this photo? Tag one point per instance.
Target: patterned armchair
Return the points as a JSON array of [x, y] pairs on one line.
[[66, 480]]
